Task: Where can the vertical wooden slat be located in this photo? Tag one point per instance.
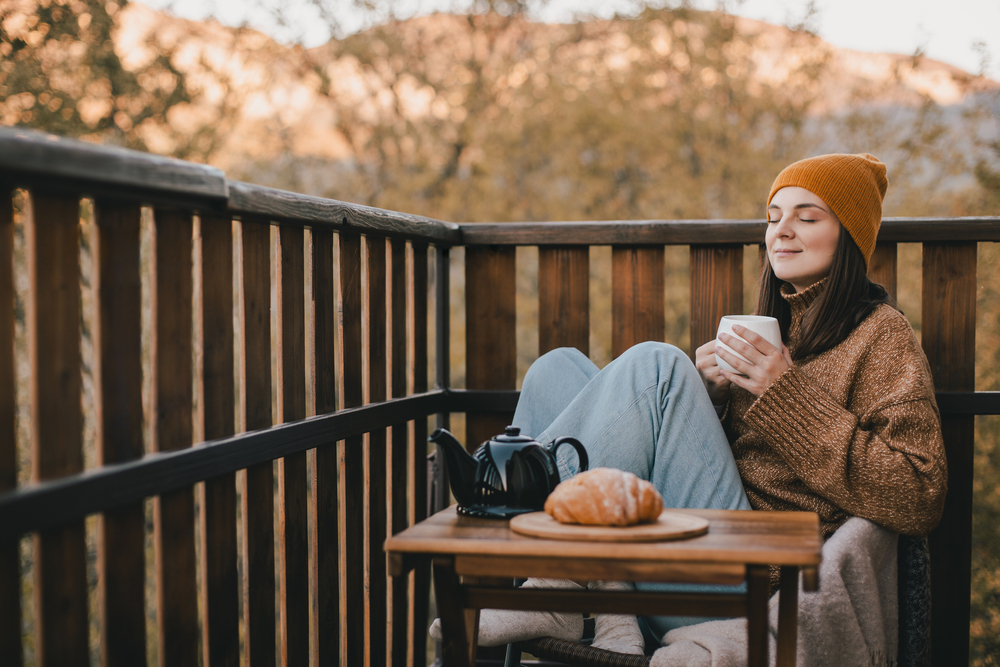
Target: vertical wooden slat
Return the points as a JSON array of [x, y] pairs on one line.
[[171, 429], [398, 464], [442, 326], [351, 459], [882, 267], [716, 289], [54, 351], [216, 419], [563, 298], [376, 508], [257, 499], [490, 343], [121, 561], [325, 580], [637, 296], [293, 540], [948, 334], [10, 582], [420, 587]]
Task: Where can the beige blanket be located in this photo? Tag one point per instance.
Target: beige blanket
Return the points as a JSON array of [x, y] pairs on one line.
[[851, 621]]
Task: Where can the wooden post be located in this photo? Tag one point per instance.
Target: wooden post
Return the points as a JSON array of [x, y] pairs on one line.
[[563, 298], [173, 512], [949, 340], [10, 571], [257, 494], [716, 289], [637, 296], [420, 589], [352, 479], [376, 508], [490, 342], [325, 629], [216, 419], [121, 540], [293, 540], [53, 319], [882, 267], [398, 464]]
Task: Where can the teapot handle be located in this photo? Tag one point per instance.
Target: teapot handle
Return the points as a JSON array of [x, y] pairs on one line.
[[581, 452]]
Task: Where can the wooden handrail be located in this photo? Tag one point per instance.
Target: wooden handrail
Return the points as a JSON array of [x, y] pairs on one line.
[[706, 232]]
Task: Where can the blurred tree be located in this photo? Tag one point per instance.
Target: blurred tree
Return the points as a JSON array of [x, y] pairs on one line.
[[59, 72]]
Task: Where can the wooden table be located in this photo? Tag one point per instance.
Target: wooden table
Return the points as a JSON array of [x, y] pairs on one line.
[[738, 547]]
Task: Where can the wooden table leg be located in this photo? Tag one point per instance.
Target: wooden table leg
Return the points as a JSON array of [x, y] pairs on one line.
[[757, 631], [455, 647], [788, 616]]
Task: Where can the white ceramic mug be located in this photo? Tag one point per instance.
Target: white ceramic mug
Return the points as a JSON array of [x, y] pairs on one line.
[[766, 327]]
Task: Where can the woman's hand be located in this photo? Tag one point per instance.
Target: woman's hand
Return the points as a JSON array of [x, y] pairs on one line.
[[765, 362], [711, 374]]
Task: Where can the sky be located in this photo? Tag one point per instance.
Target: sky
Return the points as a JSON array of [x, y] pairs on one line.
[[946, 30]]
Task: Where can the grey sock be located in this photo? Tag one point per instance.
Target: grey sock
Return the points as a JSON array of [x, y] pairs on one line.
[[617, 632], [502, 626]]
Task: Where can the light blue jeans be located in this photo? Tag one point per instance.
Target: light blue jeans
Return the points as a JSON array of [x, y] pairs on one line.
[[646, 412]]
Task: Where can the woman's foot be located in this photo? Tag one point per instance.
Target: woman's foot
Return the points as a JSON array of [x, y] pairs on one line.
[[503, 626], [617, 632]]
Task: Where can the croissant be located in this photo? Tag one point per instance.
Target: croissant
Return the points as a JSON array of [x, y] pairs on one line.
[[604, 497]]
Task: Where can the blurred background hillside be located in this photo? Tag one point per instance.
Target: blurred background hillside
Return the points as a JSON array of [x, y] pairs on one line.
[[487, 113]]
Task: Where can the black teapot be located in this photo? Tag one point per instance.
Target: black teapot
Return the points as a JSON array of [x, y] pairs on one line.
[[508, 475]]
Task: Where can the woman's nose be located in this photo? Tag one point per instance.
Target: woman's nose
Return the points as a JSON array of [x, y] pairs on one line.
[[783, 227]]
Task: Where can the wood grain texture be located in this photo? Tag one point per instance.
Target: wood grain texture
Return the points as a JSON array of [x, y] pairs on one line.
[[757, 624], [325, 579], [563, 298], [398, 464], [637, 297], [45, 505], [882, 266], [716, 289], [948, 336], [171, 428], [257, 510], [420, 581], [10, 614], [215, 419], [490, 341], [10, 578], [53, 324], [376, 460], [788, 617], [293, 539], [693, 232], [257, 200], [351, 457], [117, 374], [29, 152]]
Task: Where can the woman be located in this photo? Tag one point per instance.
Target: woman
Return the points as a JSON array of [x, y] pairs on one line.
[[841, 420]]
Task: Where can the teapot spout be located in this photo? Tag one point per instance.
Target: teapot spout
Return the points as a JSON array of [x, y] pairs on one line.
[[460, 464]]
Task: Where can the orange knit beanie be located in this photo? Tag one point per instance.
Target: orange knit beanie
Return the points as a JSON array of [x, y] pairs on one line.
[[853, 186]]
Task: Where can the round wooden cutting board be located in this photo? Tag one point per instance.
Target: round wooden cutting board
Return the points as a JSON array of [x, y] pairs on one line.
[[670, 526]]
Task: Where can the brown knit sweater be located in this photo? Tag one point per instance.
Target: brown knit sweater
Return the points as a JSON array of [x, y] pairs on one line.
[[853, 431]]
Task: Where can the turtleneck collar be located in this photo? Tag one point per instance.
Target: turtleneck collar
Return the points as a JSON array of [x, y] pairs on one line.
[[799, 302]]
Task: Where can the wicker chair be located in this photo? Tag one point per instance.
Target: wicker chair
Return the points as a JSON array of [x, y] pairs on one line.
[[913, 582]]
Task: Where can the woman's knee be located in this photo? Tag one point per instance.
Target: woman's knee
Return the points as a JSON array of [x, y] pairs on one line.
[[557, 362], [652, 351]]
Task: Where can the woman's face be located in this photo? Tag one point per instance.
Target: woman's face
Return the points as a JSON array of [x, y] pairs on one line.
[[802, 235]]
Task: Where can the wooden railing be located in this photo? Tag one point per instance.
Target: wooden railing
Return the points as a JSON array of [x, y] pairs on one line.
[[351, 399]]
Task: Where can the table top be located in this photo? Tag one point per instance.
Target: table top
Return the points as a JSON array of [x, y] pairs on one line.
[[735, 537]]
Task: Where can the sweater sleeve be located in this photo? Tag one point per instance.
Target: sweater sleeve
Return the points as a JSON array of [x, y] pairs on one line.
[[886, 463]]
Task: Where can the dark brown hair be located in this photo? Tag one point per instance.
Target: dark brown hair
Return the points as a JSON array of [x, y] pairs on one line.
[[849, 297]]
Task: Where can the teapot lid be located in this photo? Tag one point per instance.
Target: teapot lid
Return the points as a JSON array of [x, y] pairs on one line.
[[512, 434]]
